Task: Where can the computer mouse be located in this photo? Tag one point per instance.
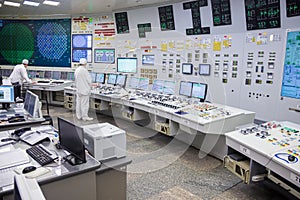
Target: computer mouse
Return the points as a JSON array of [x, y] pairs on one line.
[[28, 169]]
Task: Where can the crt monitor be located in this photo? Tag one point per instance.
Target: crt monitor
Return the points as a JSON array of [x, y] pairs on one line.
[[7, 94], [158, 85], [127, 65], [112, 78], [121, 80], [169, 87], [27, 188], [199, 91], [71, 139], [134, 83], [100, 78], [32, 104], [185, 88]]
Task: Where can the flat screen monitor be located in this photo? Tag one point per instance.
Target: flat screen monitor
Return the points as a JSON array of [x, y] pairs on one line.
[[56, 75], [100, 78], [112, 78], [127, 65], [121, 80], [185, 88], [64, 75], [27, 188], [48, 75], [204, 69], [71, 139], [199, 91], [148, 59], [104, 56], [134, 83], [169, 87], [143, 83], [70, 76], [31, 104], [31, 74], [7, 94], [158, 85], [187, 68], [40, 74], [77, 54], [93, 77], [82, 40]]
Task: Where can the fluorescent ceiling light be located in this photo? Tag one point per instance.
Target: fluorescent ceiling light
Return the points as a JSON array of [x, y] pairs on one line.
[[31, 3], [9, 3], [0, 5], [51, 3]]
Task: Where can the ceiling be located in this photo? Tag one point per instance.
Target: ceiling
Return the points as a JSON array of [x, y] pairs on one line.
[[76, 7]]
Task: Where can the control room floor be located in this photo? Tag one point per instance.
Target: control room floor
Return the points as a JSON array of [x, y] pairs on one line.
[[165, 168]]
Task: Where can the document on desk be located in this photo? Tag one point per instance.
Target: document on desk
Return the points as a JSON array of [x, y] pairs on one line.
[[34, 137], [13, 158]]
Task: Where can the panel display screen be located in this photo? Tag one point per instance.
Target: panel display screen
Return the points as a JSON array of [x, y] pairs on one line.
[[112, 78], [133, 83], [100, 78], [169, 87], [185, 88], [127, 65], [187, 68], [82, 41], [204, 69], [42, 42], [104, 56], [199, 91], [77, 54], [148, 59], [158, 85]]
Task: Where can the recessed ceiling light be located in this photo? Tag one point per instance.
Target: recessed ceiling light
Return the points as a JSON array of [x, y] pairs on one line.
[[31, 3], [9, 3], [51, 3]]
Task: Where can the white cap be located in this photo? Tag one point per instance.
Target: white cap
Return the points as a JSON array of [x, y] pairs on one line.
[[25, 62], [82, 61]]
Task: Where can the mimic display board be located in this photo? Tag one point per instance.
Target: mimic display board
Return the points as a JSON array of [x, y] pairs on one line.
[[262, 14], [221, 12], [196, 18], [291, 74], [166, 18], [143, 28], [42, 42], [122, 22], [292, 8]]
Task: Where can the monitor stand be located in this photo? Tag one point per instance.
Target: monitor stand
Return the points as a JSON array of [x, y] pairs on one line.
[[72, 160]]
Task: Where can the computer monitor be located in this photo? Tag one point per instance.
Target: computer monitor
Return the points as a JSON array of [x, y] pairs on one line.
[[70, 76], [48, 75], [121, 80], [64, 75], [187, 68], [127, 65], [112, 78], [7, 94], [185, 88], [199, 91], [77, 54], [32, 104], [93, 77], [204, 69], [100, 78], [71, 139], [82, 41], [143, 83], [158, 85], [56, 75], [27, 188], [31, 74], [134, 83], [169, 87]]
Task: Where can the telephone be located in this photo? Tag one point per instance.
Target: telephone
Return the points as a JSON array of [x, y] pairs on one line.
[[20, 131]]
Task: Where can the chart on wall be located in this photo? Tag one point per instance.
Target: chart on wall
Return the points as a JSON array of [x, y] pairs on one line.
[[42, 42], [291, 74]]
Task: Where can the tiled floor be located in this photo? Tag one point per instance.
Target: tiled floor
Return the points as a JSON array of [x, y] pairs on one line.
[[164, 168]]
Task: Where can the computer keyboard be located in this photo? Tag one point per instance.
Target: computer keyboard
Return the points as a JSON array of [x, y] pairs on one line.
[[41, 154]]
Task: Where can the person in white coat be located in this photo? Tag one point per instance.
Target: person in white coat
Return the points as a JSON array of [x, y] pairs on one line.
[[18, 76], [83, 85]]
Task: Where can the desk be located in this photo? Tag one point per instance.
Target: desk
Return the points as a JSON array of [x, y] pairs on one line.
[[63, 181], [111, 179], [14, 125], [268, 147]]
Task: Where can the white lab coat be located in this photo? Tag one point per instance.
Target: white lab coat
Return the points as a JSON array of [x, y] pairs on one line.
[[19, 74], [83, 85]]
